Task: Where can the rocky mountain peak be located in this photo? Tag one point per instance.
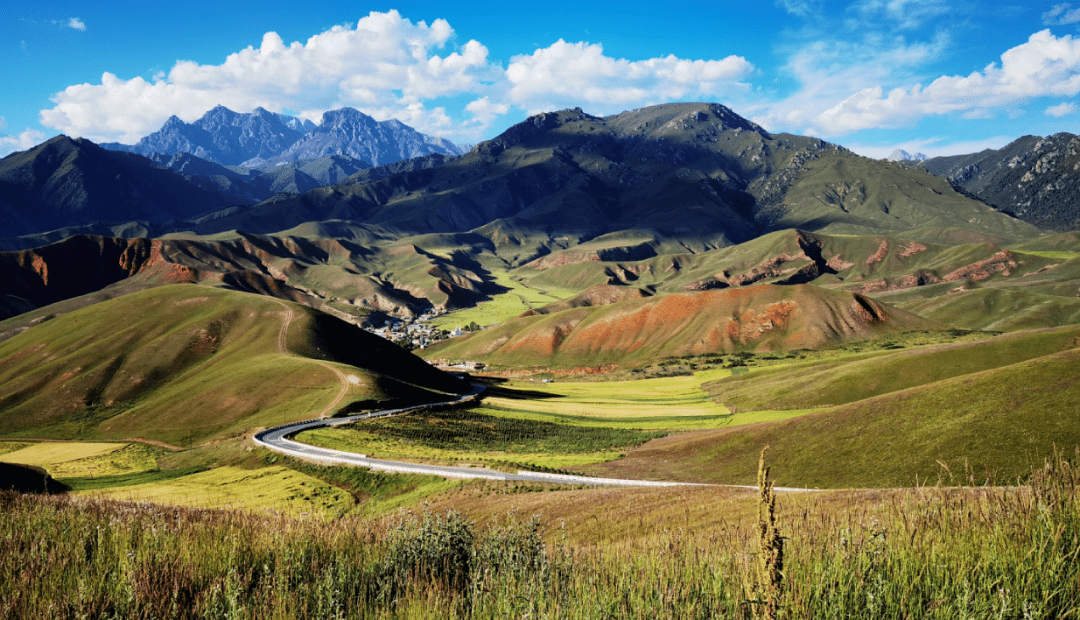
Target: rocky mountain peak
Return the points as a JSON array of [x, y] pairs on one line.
[[350, 132], [902, 155]]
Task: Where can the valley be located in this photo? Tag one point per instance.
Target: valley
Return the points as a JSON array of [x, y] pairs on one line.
[[656, 295]]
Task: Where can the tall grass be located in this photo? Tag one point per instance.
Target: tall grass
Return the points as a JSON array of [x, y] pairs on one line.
[[923, 553]]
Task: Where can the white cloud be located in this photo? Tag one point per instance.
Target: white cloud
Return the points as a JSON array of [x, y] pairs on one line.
[[579, 74], [1061, 15], [1045, 65], [906, 14], [27, 139], [1062, 109], [484, 111], [385, 66], [931, 147], [830, 71], [802, 8], [76, 24]]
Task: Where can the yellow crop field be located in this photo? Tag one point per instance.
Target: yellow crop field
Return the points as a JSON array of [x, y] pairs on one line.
[[12, 446], [129, 459], [269, 488], [504, 306], [51, 454]]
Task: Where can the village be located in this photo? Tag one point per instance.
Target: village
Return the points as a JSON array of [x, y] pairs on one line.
[[418, 334]]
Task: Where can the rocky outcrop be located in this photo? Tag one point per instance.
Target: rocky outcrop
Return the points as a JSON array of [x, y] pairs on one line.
[[1035, 179]]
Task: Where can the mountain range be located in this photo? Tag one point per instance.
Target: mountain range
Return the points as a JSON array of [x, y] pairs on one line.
[[697, 175], [262, 137], [565, 201], [251, 185]]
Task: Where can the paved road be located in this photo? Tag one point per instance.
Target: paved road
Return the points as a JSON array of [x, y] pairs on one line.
[[278, 440]]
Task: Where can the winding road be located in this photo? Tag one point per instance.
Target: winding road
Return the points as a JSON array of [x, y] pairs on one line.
[[278, 439]]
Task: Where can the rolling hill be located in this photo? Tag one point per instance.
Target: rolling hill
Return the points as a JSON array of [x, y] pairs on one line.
[[345, 277], [986, 420], [183, 364]]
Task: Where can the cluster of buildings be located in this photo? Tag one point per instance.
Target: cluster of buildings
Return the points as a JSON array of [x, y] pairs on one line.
[[412, 334]]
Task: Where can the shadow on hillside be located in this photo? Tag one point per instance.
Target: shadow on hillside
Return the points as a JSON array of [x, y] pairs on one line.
[[518, 394]]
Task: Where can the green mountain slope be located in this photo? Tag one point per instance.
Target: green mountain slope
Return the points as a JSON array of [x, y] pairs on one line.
[[182, 364]]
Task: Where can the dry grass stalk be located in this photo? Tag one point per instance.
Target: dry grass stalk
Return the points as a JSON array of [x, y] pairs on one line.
[[771, 547]]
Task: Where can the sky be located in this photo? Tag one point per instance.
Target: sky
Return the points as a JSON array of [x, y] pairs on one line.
[[939, 77]]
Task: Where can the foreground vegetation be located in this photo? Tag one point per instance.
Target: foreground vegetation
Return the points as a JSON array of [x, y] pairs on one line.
[[928, 553]]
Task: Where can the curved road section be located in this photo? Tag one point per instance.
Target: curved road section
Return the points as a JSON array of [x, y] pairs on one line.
[[278, 440]]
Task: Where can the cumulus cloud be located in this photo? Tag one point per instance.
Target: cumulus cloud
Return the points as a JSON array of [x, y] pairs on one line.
[[76, 24], [579, 74], [484, 111], [385, 66], [1043, 66], [27, 139], [1061, 15], [1063, 109], [830, 71]]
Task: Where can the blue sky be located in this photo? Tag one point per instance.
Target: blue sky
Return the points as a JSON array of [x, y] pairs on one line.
[[940, 77]]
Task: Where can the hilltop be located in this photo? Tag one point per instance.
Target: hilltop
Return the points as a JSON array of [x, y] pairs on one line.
[[64, 182]]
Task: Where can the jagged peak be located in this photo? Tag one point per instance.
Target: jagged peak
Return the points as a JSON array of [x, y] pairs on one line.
[[345, 114]]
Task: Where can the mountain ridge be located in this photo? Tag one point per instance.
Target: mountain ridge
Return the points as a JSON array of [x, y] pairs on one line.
[[70, 182], [1034, 178], [262, 137], [697, 172]]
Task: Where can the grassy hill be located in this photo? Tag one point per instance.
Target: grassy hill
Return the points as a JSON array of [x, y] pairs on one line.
[[184, 363], [852, 377], [992, 425]]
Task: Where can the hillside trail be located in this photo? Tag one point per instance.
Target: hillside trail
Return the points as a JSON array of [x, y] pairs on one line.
[[343, 379]]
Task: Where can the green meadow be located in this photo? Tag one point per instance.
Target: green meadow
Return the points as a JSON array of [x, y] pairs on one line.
[[519, 297]]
